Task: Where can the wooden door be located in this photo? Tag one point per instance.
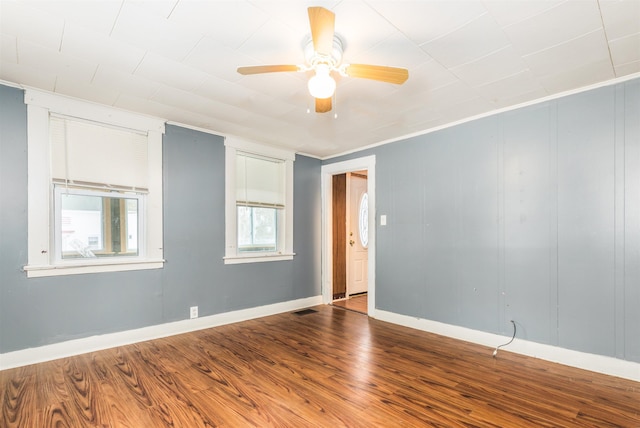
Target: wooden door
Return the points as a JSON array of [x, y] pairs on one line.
[[339, 210]]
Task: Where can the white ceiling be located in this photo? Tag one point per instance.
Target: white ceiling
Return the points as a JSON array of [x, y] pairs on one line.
[[177, 60]]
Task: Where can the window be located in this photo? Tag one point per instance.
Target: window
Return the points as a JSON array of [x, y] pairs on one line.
[[363, 220], [94, 188], [259, 203], [257, 229], [97, 224]]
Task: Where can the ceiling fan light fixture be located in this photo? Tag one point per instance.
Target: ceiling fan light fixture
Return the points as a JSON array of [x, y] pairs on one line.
[[322, 84], [323, 55]]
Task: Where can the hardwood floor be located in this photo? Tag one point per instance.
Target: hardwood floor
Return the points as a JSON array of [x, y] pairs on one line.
[[355, 303], [328, 368]]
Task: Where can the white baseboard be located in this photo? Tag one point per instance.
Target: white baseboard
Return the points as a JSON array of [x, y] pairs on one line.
[[596, 363], [96, 343]]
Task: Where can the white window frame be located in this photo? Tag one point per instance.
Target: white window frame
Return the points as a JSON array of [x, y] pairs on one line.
[[41, 243], [234, 145]]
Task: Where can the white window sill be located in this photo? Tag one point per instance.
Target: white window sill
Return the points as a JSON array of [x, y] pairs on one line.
[[95, 266], [234, 260]]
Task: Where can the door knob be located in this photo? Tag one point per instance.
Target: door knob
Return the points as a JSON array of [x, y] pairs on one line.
[[351, 242]]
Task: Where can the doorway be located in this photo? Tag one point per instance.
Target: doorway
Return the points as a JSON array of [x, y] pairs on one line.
[[348, 244], [350, 240]]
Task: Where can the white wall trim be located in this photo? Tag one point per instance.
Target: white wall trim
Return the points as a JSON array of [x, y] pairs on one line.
[[582, 360], [75, 107], [96, 343], [327, 172]]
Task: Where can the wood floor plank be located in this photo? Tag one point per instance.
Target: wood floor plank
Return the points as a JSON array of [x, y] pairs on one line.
[[333, 367], [19, 407], [50, 379]]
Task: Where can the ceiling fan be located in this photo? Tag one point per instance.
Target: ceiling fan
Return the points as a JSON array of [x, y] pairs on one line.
[[323, 55]]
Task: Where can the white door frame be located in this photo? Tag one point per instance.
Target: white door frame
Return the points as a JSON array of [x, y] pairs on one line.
[[327, 172]]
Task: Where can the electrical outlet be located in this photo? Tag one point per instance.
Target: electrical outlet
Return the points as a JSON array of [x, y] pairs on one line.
[[194, 312]]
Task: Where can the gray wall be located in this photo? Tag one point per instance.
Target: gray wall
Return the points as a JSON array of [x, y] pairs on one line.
[[531, 215], [40, 311]]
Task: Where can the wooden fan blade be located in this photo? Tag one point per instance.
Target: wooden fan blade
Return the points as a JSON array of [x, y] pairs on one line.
[[257, 69], [322, 22], [378, 72], [323, 105]]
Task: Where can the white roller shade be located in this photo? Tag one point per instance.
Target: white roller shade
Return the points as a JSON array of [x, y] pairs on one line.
[[260, 181], [87, 152]]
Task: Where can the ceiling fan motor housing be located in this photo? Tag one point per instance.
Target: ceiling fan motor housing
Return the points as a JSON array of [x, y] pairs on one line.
[[313, 58]]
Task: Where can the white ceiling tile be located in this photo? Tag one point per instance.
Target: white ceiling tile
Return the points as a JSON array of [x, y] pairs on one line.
[[218, 126], [126, 101], [366, 90], [148, 31], [576, 78], [171, 73], [423, 21], [521, 98], [429, 124], [409, 118], [464, 45], [394, 51], [468, 108], [222, 90], [554, 26], [274, 43], [67, 85], [255, 101], [579, 52], [31, 24], [627, 69], [389, 131], [450, 95], [244, 98], [511, 12], [360, 27], [131, 84], [218, 61], [495, 66], [53, 61], [189, 102], [8, 49], [293, 13], [230, 23], [428, 76], [99, 15], [505, 91], [161, 8], [273, 84], [625, 49], [28, 76], [266, 125], [621, 18], [100, 48]]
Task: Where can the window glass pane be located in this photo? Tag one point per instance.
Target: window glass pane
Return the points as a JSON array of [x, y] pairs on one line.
[[98, 226], [257, 229], [81, 220], [132, 225], [363, 220], [244, 227]]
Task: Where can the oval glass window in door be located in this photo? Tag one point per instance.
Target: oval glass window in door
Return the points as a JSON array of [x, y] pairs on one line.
[[363, 220]]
